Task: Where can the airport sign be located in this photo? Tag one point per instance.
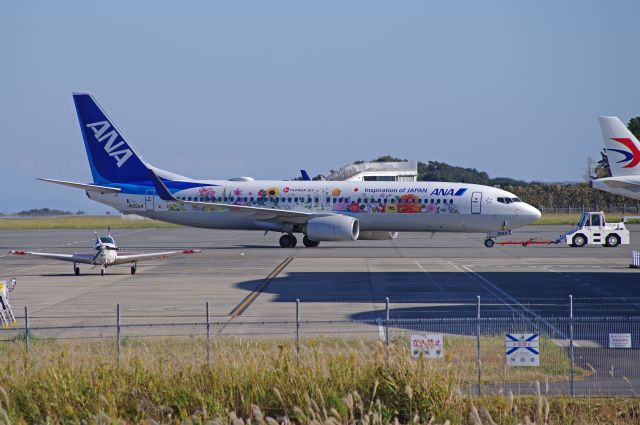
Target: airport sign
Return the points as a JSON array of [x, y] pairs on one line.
[[522, 350], [429, 346], [619, 340]]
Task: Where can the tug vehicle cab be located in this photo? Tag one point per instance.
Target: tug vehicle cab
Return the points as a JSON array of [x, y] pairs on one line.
[[594, 230]]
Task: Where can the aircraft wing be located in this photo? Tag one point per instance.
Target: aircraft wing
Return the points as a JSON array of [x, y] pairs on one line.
[[617, 184], [133, 258], [76, 258], [259, 213]]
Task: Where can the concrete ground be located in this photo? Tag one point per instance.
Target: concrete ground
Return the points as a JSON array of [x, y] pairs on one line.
[[250, 283]]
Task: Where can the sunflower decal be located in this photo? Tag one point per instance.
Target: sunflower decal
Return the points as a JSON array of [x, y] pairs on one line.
[[391, 208], [272, 192]]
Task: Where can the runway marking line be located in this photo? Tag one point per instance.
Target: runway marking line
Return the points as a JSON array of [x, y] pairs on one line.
[[246, 302]]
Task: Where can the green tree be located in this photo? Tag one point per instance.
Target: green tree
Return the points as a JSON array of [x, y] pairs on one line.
[[634, 126]]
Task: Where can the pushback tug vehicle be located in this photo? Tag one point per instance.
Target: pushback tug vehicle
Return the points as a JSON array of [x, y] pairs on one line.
[[594, 230]]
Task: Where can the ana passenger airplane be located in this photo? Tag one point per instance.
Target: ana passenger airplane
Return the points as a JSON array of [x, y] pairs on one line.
[[623, 153], [106, 254], [320, 210]]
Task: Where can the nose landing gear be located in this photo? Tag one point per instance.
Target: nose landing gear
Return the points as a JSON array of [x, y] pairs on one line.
[[489, 241]]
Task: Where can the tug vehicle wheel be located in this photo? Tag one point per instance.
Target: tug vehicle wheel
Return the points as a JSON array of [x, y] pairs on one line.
[[579, 240], [612, 240]]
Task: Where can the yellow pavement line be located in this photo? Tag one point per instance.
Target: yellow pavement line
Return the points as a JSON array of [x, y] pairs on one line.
[[246, 302]]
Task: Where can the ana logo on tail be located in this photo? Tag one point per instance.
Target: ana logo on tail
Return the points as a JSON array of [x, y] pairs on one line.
[[100, 133], [632, 155]]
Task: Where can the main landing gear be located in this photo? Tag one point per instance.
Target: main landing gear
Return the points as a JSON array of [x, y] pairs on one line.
[[76, 269], [290, 241], [134, 268], [309, 243]]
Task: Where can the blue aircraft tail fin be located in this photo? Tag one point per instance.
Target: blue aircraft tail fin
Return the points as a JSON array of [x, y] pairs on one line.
[[305, 175], [111, 158]]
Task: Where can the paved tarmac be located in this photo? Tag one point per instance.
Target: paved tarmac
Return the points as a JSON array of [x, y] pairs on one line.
[[252, 284], [423, 276]]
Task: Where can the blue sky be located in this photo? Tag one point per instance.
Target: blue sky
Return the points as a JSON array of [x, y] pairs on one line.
[[222, 89]]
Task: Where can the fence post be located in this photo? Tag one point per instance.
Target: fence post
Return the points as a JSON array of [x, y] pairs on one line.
[[298, 327], [118, 333], [478, 347], [208, 335], [26, 328], [386, 326], [571, 344]]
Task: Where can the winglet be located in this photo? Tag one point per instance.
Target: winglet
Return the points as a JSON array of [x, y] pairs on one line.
[[162, 190], [305, 175]]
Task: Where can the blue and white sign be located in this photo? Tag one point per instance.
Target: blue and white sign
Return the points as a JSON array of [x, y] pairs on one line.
[[523, 350]]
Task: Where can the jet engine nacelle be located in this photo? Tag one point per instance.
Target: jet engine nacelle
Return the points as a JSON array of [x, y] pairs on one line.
[[333, 228], [377, 236]]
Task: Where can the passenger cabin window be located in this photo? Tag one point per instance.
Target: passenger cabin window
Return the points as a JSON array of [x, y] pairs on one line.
[[189, 198]]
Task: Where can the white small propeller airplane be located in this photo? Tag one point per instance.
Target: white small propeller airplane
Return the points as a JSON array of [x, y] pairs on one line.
[[107, 253]]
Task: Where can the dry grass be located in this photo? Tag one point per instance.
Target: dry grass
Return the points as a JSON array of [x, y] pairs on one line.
[[572, 219], [79, 222], [333, 381]]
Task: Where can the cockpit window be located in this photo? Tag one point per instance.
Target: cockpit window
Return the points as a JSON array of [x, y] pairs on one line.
[[106, 239], [501, 200], [515, 200]]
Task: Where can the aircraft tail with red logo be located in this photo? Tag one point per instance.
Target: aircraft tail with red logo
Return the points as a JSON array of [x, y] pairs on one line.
[[623, 149]]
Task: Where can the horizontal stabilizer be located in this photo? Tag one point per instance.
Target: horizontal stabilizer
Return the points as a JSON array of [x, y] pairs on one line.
[[85, 186]]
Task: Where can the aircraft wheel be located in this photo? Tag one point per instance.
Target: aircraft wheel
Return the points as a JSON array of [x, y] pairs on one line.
[[133, 269], [612, 240], [309, 243], [101, 272], [288, 241], [579, 241], [489, 243], [76, 270]]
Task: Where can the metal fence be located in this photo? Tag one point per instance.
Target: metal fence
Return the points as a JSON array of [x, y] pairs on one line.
[[626, 209], [577, 355]]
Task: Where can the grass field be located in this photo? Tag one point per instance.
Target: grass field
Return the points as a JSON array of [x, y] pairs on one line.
[[333, 381], [572, 219], [78, 222]]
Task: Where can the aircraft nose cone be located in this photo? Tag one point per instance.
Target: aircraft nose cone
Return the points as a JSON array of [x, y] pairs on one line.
[[533, 212]]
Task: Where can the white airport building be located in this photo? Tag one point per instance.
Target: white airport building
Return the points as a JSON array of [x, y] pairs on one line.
[[404, 171]]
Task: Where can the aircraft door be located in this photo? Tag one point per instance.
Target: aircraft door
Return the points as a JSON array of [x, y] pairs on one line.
[[476, 202], [148, 200]]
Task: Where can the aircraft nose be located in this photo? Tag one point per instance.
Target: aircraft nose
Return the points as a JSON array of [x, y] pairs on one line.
[[532, 212]]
